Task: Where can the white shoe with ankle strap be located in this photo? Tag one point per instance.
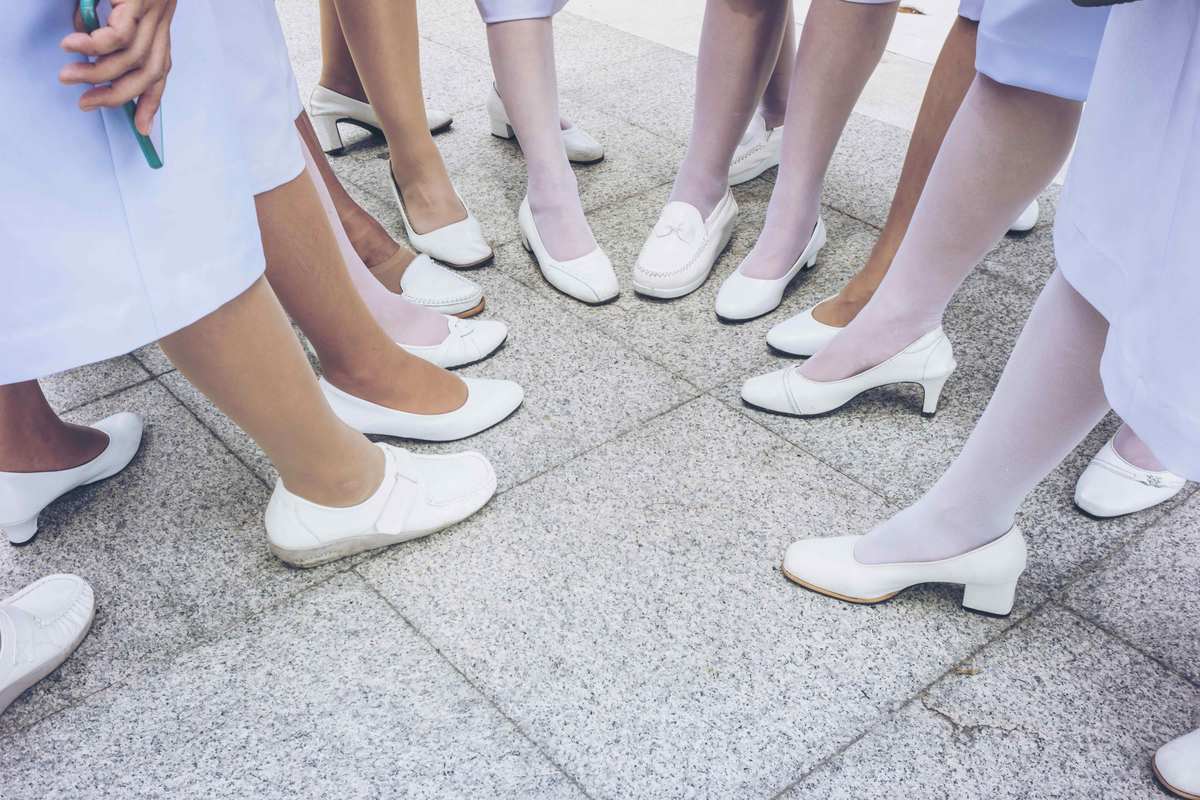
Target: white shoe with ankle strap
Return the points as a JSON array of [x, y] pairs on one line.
[[582, 148], [327, 108], [988, 573], [419, 495], [928, 361]]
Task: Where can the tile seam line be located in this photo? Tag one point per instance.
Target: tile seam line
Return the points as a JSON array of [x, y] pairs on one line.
[[107, 395], [537, 746]]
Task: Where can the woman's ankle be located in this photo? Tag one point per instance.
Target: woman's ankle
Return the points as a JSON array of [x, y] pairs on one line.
[[51, 448], [348, 85]]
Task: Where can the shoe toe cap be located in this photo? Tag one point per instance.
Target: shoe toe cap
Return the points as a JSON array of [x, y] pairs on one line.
[[739, 298], [492, 400], [825, 563], [801, 335], [457, 485], [1178, 762], [66, 598], [768, 391]]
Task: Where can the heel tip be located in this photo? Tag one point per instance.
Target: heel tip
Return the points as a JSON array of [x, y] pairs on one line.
[[21, 532]]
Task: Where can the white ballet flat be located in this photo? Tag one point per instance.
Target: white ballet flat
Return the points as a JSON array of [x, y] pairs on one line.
[[742, 297], [460, 244], [988, 573], [928, 361], [40, 626], [680, 252], [419, 495], [488, 403], [1028, 218], [1177, 765], [327, 108], [589, 278], [803, 334], [581, 147], [757, 152], [1112, 487], [431, 285], [468, 341], [23, 495]]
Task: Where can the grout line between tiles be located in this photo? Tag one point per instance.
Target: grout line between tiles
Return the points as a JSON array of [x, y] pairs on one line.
[[140, 382]]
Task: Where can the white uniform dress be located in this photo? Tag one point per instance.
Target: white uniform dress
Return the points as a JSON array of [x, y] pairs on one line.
[[1127, 233], [101, 254]]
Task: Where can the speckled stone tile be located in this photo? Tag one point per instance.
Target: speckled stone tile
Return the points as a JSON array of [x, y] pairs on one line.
[[1054, 709], [330, 695], [628, 612], [174, 547], [82, 385], [1028, 258], [1147, 593], [153, 359]]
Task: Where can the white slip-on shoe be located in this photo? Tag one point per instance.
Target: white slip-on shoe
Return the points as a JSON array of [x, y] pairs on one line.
[[1027, 220], [327, 108], [1112, 487], [1177, 766], [581, 147], [488, 402], [989, 573], [419, 495], [803, 334], [742, 297], [460, 244], [23, 495], [468, 341], [40, 626], [927, 361], [589, 278], [680, 252], [757, 152], [431, 285]]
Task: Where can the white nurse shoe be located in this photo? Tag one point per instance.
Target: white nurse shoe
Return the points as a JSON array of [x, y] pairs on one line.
[[468, 341], [589, 278], [803, 334], [488, 402], [419, 495], [1112, 487], [327, 108], [431, 285], [1027, 220], [1177, 766], [40, 626], [743, 298], [757, 152], [460, 244], [581, 147], [23, 495], [989, 573], [683, 247], [928, 361]]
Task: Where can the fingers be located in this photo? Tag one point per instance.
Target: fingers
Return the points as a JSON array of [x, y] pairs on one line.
[[110, 67], [150, 100], [118, 33], [132, 84]]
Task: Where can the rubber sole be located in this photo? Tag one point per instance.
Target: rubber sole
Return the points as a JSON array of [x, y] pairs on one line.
[[316, 556], [472, 311], [1172, 789], [861, 601]]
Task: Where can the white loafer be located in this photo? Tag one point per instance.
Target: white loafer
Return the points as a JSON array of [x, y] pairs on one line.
[[988, 573], [468, 341], [327, 108], [1177, 765], [1028, 218], [1112, 487], [429, 284], [23, 495], [757, 152], [419, 495], [460, 244], [927, 361], [488, 403], [581, 147], [803, 334], [683, 247], [589, 278], [742, 297], [40, 626]]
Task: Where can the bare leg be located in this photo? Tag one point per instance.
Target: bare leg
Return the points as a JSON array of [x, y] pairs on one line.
[[952, 76], [245, 358], [523, 60], [1011, 141], [1048, 399], [307, 272], [739, 46], [381, 35], [840, 46], [775, 97], [34, 439]]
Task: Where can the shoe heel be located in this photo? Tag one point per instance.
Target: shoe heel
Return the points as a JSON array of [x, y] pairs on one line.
[[996, 598], [328, 135], [501, 129], [933, 392], [21, 532]]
